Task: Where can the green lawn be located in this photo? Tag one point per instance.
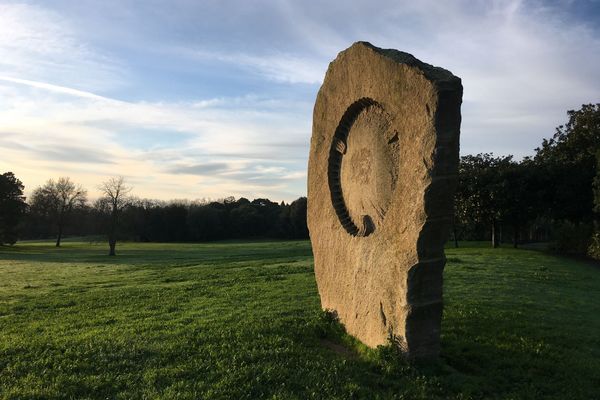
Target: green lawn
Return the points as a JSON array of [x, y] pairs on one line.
[[243, 321]]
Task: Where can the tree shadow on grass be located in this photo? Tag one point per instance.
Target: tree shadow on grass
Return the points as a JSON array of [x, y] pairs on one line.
[[149, 254]]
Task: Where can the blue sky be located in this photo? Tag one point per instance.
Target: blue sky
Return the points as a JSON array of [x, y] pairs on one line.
[[206, 99]]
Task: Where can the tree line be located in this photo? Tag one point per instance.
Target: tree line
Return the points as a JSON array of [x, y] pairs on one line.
[[552, 196], [61, 207]]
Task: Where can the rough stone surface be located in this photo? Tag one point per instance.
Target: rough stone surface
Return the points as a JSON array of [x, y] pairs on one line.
[[381, 178]]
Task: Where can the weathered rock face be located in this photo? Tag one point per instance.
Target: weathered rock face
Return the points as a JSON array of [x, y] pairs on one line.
[[381, 178]]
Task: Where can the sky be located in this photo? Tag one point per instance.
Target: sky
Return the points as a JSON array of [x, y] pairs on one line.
[[204, 99]]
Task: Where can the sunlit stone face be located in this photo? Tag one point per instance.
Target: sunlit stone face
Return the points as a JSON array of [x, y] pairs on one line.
[[381, 177]]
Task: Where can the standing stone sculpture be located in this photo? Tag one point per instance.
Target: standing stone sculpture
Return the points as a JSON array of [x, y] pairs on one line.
[[381, 178]]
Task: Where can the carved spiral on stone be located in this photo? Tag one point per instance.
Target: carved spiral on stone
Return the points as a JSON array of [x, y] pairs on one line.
[[362, 224]]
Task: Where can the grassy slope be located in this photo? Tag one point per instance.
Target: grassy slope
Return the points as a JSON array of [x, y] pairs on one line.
[[242, 320]]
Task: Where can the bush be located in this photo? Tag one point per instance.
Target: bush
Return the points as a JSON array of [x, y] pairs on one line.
[[572, 239], [594, 248]]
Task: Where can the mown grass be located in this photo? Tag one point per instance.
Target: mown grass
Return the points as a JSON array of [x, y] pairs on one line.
[[243, 321]]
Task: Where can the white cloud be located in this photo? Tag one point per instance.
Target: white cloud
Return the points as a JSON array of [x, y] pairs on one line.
[[38, 44], [63, 131], [522, 64], [277, 66], [53, 88]]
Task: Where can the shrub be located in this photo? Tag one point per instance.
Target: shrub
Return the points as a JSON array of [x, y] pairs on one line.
[[594, 248], [572, 238]]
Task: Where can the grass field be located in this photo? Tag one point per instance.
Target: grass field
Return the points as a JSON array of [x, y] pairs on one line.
[[243, 321]]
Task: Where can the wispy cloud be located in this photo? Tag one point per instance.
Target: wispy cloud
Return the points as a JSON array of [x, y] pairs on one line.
[[523, 64], [67, 132], [200, 169], [39, 44], [53, 88], [277, 66], [215, 99]]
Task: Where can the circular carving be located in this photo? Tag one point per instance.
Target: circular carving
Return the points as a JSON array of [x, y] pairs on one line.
[[362, 167]]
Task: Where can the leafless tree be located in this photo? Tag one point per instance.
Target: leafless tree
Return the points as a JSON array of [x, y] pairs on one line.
[[115, 198], [57, 199]]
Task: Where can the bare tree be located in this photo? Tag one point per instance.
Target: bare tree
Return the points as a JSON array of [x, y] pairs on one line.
[[57, 199], [116, 197]]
